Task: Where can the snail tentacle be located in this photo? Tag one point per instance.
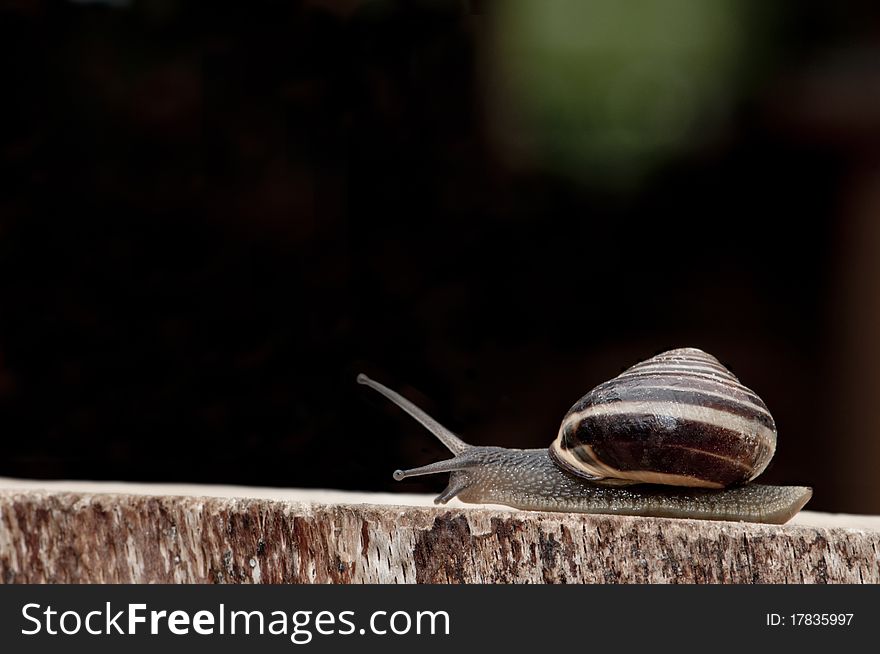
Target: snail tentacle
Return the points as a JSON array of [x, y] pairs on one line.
[[447, 437], [460, 462]]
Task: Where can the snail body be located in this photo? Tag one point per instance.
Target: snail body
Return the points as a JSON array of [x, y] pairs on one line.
[[674, 436]]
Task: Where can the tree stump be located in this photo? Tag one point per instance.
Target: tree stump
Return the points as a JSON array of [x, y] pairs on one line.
[[149, 535]]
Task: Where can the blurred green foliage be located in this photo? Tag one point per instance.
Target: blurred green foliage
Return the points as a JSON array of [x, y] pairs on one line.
[[607, 89]]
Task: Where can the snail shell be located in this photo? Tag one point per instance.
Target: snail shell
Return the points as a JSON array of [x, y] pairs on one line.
[[679, 418]]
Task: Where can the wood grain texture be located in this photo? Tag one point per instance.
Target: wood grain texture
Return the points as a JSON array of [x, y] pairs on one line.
[[122, 538]]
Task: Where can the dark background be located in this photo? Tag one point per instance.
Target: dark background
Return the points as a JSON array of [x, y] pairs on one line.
[[214, 215]]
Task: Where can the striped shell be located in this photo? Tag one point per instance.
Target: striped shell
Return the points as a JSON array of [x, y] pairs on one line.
[[679, 418]]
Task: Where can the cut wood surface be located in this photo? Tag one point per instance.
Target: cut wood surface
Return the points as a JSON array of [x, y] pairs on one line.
[[146, 533]]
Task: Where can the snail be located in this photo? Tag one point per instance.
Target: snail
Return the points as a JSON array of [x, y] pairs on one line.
[[675, 436]]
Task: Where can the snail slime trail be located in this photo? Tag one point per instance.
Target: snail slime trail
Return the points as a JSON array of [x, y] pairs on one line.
[[676, 436]]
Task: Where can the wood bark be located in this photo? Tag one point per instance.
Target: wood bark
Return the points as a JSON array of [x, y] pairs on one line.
[[124, 538]]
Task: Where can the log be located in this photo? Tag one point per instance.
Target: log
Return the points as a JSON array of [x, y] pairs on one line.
[[58, 533]]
